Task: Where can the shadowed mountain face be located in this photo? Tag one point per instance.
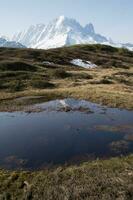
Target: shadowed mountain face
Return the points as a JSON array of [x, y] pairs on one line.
[[60, 32]]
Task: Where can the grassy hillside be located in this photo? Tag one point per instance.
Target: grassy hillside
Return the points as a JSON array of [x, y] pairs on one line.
[[23, 72], [104, 180], [26, 79]]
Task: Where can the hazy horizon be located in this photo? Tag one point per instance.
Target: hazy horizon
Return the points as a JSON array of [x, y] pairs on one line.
[[111, 19]]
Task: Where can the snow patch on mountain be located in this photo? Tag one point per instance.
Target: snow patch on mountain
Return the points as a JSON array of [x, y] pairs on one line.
[[84, 64]]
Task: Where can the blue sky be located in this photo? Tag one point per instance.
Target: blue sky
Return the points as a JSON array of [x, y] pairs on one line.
[[112, 18]]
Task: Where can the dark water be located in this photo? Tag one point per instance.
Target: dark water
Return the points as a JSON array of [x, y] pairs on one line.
[[69, 131]]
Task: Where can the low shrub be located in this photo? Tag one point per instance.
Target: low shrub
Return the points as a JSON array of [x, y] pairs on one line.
[[12, 85], [41, 84], [102, 81], [106, 81], [16, 86], [81, 76], [58, 73], [16, 66]]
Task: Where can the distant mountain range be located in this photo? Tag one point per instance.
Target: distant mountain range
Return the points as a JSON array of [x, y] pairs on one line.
[[62, 31], [11, 44]]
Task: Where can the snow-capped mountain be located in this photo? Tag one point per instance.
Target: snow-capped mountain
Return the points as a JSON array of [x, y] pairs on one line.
[[11, 44], [31, 36], [60, 32], [128, 46]]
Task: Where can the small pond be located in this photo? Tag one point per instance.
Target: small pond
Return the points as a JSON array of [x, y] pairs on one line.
[[65, 131]]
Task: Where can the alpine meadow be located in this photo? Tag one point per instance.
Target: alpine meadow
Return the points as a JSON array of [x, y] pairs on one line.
[[66, 100]]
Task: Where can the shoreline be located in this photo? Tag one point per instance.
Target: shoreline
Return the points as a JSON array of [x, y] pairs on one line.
[[106, 176]]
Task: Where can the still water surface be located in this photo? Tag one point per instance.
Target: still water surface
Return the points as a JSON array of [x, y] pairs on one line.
[[65, 131]]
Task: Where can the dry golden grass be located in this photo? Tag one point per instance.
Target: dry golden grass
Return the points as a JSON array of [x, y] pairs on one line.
[[104, 180], [116, 94]]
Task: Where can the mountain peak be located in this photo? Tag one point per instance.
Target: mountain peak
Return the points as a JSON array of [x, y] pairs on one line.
[[59, 32], [89, 28], [61, 18], [66, 20]]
